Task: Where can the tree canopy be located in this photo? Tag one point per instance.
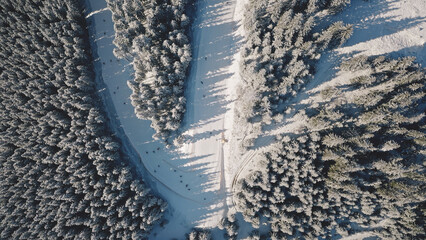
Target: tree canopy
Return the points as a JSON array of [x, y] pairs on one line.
[[62, 171]]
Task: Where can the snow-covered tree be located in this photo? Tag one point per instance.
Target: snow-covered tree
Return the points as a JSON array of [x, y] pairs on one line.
[[153, 35], [279, 57], [199, 234], [288, 190], [377, 169]]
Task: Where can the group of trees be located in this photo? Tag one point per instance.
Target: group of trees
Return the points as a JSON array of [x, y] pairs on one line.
[[199, 234], [287, 188], [230, 225], [359, 166], [153, 34], [375, 140], [279, 56], [62, 172]]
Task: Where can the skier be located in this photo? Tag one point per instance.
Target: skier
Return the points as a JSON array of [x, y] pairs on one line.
[[223, 140]]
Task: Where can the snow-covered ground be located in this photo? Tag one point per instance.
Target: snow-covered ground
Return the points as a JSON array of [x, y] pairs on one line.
[[193, 178], [394, 28], [397, 28], [217, 36], [196, 178], [381, 27]]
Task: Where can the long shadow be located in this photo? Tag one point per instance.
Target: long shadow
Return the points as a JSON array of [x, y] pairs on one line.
[[193, 159], [376, 25], [222, 58], [326, 73], [369, 31], [204, 135], [364, 31], [182, 162], [113, 122], [416, 51]]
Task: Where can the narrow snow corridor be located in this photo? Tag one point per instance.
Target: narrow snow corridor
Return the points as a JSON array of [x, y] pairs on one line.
[[210, 92], [192, 178]]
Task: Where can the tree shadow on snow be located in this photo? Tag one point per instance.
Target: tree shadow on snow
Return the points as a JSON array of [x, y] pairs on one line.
[[327, 67], [416, 51], [206, 134], [376, 26], [214, 45]]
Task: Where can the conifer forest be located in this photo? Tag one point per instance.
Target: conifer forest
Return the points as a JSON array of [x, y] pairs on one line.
[[212, 119]]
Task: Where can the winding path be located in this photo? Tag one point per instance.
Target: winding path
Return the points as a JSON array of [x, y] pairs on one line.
[[192, 178]]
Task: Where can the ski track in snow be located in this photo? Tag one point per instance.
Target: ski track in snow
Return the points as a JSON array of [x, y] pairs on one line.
[[192, 178], [96, 12]]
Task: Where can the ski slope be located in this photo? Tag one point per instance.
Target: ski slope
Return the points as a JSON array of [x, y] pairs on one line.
[[192, 178]]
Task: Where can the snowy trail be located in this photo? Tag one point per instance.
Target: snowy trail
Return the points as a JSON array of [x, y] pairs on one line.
[[193, 178], [210, 93]]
